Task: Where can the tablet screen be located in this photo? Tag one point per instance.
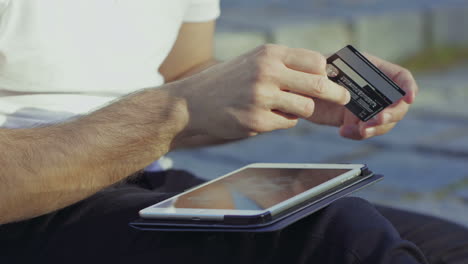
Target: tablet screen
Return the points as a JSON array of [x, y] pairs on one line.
[[253, 189]]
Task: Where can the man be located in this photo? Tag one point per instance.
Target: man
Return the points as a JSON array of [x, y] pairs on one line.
[[64, 58]]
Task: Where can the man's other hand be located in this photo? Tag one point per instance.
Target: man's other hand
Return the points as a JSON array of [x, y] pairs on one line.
[[327, 113]]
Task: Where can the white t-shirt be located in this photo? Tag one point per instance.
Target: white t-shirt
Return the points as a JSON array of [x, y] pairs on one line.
[[59, 58]]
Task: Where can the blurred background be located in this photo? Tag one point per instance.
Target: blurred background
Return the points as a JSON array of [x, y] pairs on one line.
[[425, 158]]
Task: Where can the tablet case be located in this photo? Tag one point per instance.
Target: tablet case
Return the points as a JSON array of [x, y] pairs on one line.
[[274, 225]]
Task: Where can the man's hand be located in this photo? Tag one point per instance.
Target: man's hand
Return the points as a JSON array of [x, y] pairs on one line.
[[327, 113], [263, 90]]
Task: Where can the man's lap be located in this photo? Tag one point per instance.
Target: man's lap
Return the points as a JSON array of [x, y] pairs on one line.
[[98, 226]]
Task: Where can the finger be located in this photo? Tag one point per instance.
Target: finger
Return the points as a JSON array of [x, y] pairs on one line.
[[277, 120], [329, 113], [350, 119], [360, 133], [391, 114], [350, 127], [399, 75], [305, 61], [288, 116], [406, 81], [351, 132], [294, 104], [265, 121], [376, 131], [316, 86], [389, 68]]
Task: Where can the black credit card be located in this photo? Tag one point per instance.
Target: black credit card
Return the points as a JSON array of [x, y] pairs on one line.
[[371, 90]]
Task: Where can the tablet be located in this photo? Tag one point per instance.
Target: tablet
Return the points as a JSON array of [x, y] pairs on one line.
[[254, 194]]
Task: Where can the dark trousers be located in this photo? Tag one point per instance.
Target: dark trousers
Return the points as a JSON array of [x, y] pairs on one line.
[[350, 230]]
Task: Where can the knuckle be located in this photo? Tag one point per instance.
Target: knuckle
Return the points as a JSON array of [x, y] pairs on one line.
[[256, 124], [320, 59], [316, 57], [403, 75], [258, 95], [268, 50], [410, 78], [407, 73], [320, 85], [265, 70], [399, 117]]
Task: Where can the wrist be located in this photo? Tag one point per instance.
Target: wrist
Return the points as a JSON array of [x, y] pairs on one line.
[[180, 114]]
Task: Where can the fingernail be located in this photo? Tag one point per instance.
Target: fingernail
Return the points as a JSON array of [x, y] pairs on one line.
[[369, 131], [348, 97]]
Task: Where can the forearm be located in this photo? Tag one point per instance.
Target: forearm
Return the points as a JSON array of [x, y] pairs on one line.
[[47, 168], [200, 141]]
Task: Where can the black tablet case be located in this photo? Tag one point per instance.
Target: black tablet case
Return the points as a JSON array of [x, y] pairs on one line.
[[274, 225]]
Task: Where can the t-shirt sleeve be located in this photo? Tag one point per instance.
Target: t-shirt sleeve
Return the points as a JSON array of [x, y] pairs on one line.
[[202, 10]]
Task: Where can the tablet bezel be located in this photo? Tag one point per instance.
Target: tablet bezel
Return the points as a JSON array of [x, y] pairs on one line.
[[196, 214]]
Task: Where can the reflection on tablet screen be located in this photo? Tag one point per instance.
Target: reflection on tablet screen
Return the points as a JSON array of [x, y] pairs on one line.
[[253, 188]]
